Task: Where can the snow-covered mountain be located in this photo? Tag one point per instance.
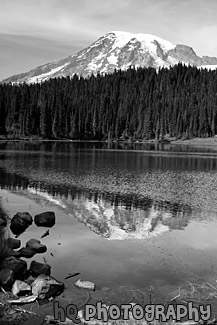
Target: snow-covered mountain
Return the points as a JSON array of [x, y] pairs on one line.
[[117, 50]]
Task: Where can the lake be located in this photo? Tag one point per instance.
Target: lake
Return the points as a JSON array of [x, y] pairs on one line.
[[127, 215]]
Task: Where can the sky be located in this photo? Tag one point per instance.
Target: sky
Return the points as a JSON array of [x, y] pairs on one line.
[[35, 32]]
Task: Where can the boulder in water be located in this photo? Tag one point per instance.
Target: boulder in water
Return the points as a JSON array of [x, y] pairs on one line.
[[45, 219]]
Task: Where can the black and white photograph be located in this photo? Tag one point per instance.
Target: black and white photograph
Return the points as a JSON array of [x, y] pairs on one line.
[[108, 162]]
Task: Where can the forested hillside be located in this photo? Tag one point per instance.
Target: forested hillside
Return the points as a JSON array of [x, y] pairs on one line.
[[137, 104]]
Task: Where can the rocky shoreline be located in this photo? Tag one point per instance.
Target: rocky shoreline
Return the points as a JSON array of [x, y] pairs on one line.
[[19, 284], [26, 285]]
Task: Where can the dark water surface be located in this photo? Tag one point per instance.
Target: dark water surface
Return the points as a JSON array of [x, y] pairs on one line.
[[128, 214]]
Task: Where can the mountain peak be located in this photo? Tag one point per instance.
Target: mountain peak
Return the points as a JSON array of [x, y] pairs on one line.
[[125, 37], [117, 50]]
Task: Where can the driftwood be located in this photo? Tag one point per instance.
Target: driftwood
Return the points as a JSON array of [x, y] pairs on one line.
[[23, 300], [45, 234], [70, 275]]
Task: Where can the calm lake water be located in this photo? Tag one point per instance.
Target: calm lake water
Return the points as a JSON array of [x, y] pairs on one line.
[[136, 215]]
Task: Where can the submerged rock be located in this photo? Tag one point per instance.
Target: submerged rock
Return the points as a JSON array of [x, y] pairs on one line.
[[45, 287], [21, 288], [6, 277], [20, 222], [45, 219], [36, 245], [37, 268], [18, 266]]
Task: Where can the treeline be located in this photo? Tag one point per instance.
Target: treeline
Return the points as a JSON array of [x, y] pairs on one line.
[[138, 103]]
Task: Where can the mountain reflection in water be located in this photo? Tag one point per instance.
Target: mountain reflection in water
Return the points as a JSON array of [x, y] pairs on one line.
[[115, 221], [119, 190]]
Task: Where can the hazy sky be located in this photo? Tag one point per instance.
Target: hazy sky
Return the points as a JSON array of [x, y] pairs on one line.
[[34, 32]]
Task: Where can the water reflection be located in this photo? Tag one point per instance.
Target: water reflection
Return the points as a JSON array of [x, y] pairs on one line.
[[82, 156], [115, 221], [117, 193], [113, 216], [69, 146]]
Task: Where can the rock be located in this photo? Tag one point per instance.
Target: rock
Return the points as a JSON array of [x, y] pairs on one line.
[[45, 287], [13, 243], [21, 288], [3, 222], [14, 253], [37, 268], [6, 277], [85, 285], [36, 245], [30, 279], [18, 266], [20, 222], [45, 219], [27, 252], [26, 216]]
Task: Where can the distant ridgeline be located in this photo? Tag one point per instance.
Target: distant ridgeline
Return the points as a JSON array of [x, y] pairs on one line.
[[134, 104]]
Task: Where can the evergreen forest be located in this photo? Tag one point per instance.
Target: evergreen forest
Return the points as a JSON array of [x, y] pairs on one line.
[[135, 104]]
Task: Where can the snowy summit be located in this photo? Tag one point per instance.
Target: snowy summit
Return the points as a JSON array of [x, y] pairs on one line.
[[117, 50]]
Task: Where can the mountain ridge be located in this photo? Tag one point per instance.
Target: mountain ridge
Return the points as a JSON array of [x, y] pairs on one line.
[[117, 50]]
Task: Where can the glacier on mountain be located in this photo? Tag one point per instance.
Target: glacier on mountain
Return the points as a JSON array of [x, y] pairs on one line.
[[117, 50]]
